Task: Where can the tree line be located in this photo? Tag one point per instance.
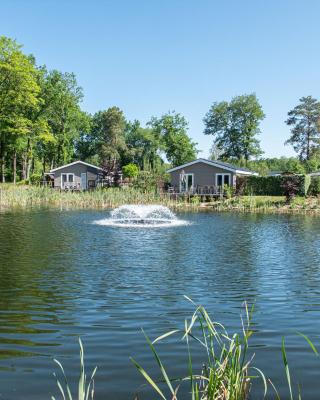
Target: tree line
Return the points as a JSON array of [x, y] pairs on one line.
[[42, 126]]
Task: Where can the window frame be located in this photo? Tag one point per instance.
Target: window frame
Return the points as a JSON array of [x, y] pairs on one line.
[[180, 182], [223, 174], [67, 182]]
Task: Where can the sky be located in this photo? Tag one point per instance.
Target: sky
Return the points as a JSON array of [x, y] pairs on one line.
[[151, 56]]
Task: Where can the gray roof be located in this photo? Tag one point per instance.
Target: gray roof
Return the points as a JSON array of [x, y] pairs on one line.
[[216, 163]]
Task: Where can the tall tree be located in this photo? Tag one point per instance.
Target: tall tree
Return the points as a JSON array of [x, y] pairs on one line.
[[171, 130], [235, 126], [108, 134], [19, 97], [62, 96], [305, 122], [143, 146]]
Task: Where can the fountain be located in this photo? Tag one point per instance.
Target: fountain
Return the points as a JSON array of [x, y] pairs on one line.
[[142, 216]]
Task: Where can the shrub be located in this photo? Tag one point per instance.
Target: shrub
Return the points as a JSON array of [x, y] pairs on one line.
[[130, 171], [290, 187], [314, 188], [271, 185], [145, 181], [35, 179]]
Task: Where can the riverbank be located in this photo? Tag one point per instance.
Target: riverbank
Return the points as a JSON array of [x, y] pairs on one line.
[[15, 196]]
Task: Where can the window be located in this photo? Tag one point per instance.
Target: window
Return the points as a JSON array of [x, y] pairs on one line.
[[223, 179], [186, 182], [67, 180]]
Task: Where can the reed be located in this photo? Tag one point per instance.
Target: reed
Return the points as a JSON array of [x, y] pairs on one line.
[[227, 372], [85, 387]]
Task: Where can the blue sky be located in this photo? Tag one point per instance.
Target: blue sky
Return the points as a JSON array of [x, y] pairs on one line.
[[151, 56]]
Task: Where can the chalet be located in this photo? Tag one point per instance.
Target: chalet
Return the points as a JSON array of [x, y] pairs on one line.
[[205, 176], [77, 175]]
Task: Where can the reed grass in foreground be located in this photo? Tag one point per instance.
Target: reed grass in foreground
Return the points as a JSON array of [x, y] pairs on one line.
[[85, 388], [227, 371]]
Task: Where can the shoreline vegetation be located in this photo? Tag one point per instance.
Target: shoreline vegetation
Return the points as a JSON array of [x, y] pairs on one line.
[[24, 197], [227, 370]]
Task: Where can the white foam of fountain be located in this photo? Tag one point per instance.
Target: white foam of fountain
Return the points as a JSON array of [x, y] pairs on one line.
[[142, 216]]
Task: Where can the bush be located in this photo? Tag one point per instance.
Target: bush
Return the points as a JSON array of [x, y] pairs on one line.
[[290, 187], [145, 181], [130, 171], [314, 188], [35, 179], [271, 185]]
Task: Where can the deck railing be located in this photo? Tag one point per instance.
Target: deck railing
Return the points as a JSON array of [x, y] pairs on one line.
[[199, 190]]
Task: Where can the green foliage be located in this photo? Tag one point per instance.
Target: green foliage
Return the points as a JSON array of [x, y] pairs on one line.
[[314, 188], [19, 98], [281, 164], [235, 127], [145, 181], [305, 131], [108, 134], [171, 129], [143, 146], [35, 179], [130, 171], [225, 372], [85, 388], [271, 185]]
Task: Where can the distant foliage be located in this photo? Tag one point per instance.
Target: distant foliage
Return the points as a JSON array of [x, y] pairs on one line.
[[130, 171], [272, 185], [234, 126], [314, 189], [305, 127]]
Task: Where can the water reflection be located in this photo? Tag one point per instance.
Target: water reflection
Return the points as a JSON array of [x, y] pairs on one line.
[[62, 276]]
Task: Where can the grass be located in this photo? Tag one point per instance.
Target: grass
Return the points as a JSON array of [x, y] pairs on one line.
[[268, 204], [226, 373], [16, 196], [85, 388]]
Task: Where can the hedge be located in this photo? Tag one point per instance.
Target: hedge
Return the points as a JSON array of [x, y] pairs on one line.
[[314, 188], [271, 185]]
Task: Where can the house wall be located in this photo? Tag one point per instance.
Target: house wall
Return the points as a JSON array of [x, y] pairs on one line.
[[77, 170], [204, 174]]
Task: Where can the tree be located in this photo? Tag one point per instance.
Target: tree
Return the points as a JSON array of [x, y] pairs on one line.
[[171, 131], [235, 127], [305, 131], [19, 97], [108, 135], [143, 146], [62, 96]]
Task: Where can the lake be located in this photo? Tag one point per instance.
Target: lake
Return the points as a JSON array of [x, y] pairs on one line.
[[62, 276]]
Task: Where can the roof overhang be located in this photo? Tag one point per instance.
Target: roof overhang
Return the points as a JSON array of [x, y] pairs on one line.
[[74, 163], [212, 164]]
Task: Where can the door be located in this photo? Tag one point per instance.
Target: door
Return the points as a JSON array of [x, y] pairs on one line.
[[84, 185], [186, 183]]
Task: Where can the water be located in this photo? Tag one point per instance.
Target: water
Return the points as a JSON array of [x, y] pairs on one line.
[[62, 275]]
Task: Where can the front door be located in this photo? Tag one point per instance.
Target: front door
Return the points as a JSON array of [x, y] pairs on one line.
[[84, 181], [186, 183]]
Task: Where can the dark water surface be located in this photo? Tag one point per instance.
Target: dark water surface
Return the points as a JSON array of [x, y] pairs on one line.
[[62, 276]]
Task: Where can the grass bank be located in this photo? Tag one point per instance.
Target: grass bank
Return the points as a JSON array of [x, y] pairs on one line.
[[15, 196], [267, 204]]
